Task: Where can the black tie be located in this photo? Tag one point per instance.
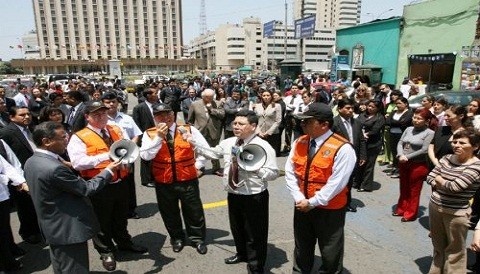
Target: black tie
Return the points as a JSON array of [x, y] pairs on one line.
[[106, 138], [170, 142], [233, 172], [311, 149]]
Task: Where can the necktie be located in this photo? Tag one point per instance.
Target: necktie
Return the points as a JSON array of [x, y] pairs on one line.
[[311, 149], [106, 138], [348, 125], [27, 100], [170, 142], [233, 181], [71, 115]]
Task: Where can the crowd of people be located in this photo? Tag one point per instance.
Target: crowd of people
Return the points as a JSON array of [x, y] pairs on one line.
[[55, 144]]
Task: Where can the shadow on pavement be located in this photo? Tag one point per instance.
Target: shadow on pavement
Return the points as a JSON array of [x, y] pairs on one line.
[[424, 263], [376, 186], [147, 210], [276, 257], [357, 203], [318, 263], [425, 222]]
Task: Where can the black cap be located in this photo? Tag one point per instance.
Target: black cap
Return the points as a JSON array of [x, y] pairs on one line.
[[94, 106], [109, 95], [318, 111], [160, 107]]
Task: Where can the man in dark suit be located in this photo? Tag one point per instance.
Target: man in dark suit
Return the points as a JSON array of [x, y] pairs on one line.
[[67, 219], [187, 99], [345, 125], [18, 136], [76, 117], [4, 117], [170, 95], [143, 116], [9, 102], [232, 106]]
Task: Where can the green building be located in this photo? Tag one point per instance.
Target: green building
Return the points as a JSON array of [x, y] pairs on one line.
[[372, 49], [438, 43]]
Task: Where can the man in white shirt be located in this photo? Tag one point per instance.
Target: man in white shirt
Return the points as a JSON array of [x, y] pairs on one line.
[[317, 172]]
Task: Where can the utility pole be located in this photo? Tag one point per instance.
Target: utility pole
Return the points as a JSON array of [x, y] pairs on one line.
[[286, 33]]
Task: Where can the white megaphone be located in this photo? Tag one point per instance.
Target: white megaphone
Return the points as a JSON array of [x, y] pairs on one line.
[[125, 151], [252, 157]]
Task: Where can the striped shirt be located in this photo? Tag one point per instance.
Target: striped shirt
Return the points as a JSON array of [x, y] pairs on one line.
[[461, 183]]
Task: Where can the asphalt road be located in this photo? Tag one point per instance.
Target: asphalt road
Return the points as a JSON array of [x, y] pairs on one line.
[[375, 241]]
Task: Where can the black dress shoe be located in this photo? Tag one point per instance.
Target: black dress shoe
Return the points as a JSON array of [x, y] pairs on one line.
[[234, 260], [17, 251], [363, 190], [351, 209], [178, 245], [33, 239], [133, 248], [201, 247], [149, 185], [108, 262]]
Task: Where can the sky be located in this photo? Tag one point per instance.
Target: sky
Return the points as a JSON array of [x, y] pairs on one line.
[[17, 17]]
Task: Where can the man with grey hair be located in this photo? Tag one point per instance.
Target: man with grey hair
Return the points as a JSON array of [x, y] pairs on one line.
[[207, 116]]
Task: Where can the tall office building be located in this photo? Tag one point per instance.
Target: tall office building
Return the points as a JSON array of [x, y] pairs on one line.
[[109, 29], [330, 14]]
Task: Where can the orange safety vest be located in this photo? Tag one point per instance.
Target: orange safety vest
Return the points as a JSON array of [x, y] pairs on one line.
[[95, 146], [313, 175], [180, 166]]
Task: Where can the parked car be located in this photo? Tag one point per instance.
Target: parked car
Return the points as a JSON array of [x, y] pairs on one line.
[[453, 97]]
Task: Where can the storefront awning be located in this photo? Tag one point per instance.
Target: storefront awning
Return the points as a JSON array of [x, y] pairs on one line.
[[368, 66], [343, 67]]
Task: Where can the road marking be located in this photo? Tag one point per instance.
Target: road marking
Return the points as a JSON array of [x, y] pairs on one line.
[[215, 204]]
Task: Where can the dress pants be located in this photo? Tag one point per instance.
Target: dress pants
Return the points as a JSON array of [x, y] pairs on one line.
[[412, 175], [132, 194], [111, 207], [248, 215], [449, 233], [394, 139], [70, 258], [366, 174], [289, 124], [6, 236], [26, 213], [146, 172], [325, 226], [188, 193]]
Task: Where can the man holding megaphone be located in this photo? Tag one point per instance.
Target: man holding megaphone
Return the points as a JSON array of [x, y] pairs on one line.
[[175, 172], [250, 162], [89, 151]]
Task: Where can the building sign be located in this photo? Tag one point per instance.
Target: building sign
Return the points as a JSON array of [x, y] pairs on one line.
[[339, 63], [268, 28], [357, 56], [305, 27]]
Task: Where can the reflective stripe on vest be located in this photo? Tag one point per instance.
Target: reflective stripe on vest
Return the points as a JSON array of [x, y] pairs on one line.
[[182, 162], [95, 146], [313, 175]]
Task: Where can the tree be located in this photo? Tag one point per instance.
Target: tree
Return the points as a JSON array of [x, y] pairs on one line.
[[6, 68]]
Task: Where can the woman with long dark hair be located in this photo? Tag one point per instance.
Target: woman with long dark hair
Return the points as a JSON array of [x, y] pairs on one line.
[[373, 123]]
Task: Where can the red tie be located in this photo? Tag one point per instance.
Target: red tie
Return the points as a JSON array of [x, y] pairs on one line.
[[233, 172]]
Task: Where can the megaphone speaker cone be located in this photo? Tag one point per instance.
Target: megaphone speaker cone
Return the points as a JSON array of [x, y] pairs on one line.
[[124, 150]]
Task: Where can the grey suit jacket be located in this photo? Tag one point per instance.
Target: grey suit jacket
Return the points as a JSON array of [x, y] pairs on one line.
[[65, 214], [209, 125], [269, 119]]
